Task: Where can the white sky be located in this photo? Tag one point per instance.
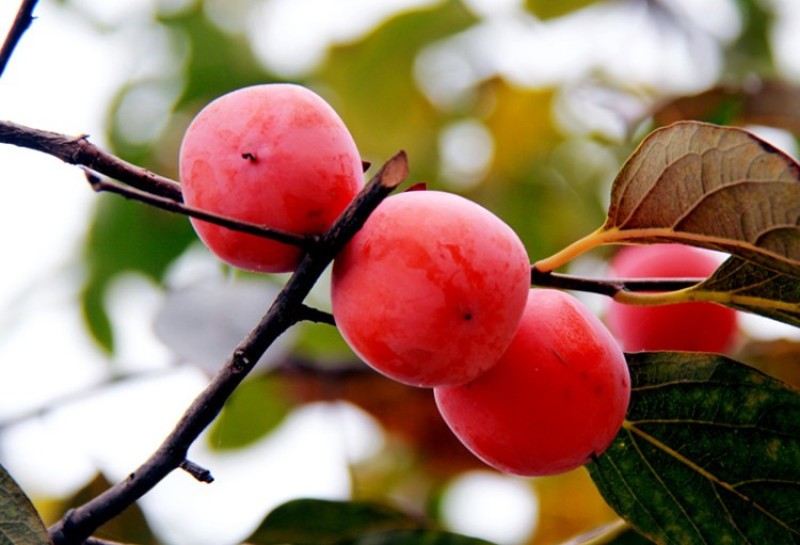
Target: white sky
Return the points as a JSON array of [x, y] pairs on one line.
[[44, 210]]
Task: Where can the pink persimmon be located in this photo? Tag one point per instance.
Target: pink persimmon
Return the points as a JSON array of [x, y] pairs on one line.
[[690, 327], [431, 290], [275, 155], [556, 398]]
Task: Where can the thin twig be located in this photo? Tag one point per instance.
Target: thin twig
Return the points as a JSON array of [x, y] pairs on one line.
[[77, 150], [311, 314], [21, 23], [198, 472], [98, 541], [79, 523], [609, 287], [98, 184]]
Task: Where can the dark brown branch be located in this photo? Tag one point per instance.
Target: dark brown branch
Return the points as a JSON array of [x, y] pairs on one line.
[[21, 23], [170, 205], [77, 150], [609, 287], [78, 524]]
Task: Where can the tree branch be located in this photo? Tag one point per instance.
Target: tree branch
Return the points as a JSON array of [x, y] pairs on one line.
[[609, 287], [78, 524], [98, 184], [21, 23], [77, 150]]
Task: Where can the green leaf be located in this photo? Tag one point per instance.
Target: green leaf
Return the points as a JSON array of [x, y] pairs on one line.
[[19, 522], [324, 522], [321, 342], [127, 236], [95, 316], [709, 186], [751, 287], [709, 453], [254, 410], [415, 537], [753, 50]]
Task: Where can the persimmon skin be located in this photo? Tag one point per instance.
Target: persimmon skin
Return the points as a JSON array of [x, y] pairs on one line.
[[690, 327], [557, 397], [276, 155], [430, 291]]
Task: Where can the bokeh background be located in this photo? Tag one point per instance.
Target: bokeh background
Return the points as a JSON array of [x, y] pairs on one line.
[[113, 316]]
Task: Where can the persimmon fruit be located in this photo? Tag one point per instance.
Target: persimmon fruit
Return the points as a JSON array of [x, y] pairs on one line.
[[556, 398], [276, 155], [689, 327], [430, 291]]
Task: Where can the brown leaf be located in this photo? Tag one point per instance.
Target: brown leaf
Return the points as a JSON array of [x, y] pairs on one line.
[[772, 103], [775, 104], [705, 185]]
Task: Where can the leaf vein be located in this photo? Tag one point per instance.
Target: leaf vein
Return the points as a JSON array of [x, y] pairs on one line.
[[711, 477], [730, 516], [667, 489]]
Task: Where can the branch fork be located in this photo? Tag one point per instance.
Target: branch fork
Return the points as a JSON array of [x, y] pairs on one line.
[[80, 523]]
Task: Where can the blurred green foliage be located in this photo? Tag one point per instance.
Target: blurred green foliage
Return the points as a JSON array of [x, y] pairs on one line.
[[126, 237], [321, 522], [255, 408], [752, 51], [545, 9], [374, 91]]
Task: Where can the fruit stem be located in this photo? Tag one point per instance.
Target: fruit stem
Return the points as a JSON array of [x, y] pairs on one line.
[[579, 247]]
